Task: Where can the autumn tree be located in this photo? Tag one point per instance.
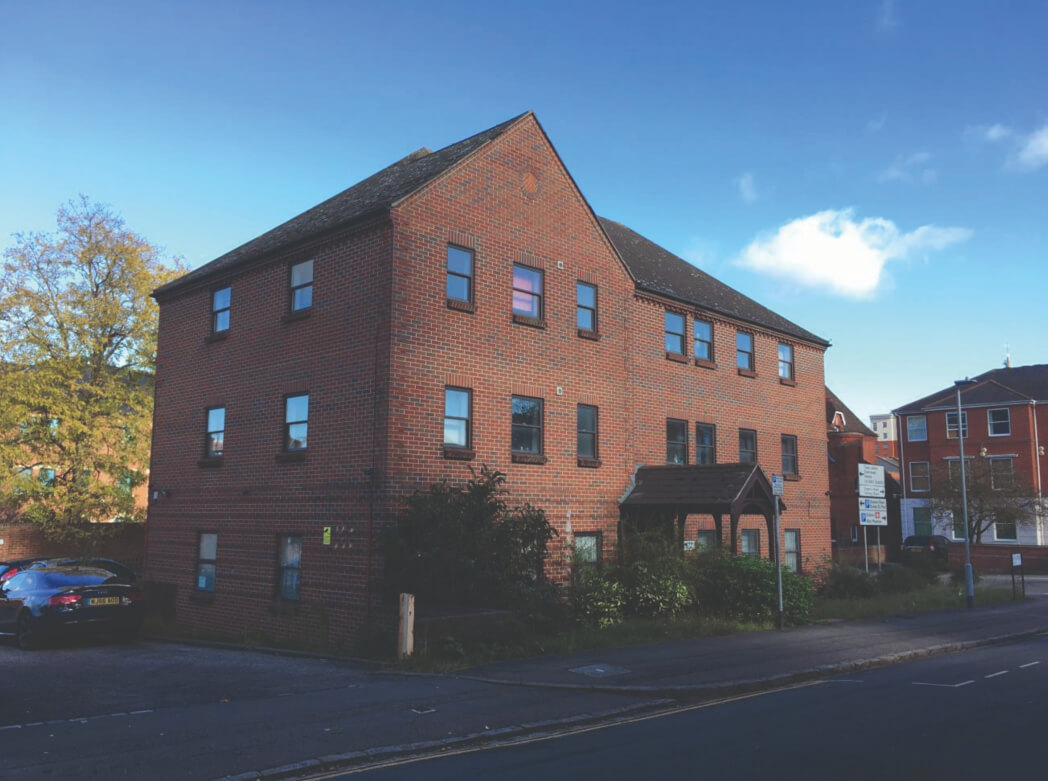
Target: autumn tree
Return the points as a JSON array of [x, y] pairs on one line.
[[77, 350], [996, 494]]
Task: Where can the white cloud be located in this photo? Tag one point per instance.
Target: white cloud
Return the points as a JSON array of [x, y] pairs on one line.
[[1034, 151], [886, 17], [832, 250], [990, 133], [909, 169], [747, 187]]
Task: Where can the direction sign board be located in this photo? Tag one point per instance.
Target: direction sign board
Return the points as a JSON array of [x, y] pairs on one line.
[[873, 512], [776, 485], [871, 480]]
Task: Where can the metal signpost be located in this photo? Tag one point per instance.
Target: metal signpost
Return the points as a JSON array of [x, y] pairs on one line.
[[776, 492], [873, 507]]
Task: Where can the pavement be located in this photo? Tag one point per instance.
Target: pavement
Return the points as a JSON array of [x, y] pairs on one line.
[[649, 678]]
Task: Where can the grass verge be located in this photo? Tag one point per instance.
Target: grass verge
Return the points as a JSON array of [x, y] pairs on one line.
[[939, 597]]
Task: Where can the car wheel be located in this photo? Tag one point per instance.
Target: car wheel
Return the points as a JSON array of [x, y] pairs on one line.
[[26, 633]]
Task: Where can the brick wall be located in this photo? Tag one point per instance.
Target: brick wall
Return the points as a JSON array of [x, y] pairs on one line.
[[22, 540]]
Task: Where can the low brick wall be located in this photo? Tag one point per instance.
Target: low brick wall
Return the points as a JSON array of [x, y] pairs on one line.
[[21, 540], [998, 558]]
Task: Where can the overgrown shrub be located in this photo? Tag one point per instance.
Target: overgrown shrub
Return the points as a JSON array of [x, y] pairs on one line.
[[743, 588], [844, 582], [465, 545], [600, 600], [655, 591]]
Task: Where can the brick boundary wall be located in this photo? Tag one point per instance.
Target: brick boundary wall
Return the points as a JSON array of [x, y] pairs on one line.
[[998, 558], [22, 540]]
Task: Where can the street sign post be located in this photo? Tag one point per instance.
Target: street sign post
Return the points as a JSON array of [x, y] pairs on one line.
[[873, 511], [871, 480], [776, 491], [871, 490]]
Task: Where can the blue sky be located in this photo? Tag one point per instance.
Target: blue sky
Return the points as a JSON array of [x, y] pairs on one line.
[[875, 171]]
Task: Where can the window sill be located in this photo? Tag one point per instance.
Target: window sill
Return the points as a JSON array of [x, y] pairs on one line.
[[202, 597], [705, 364], [301, 314], [291, 456], [676, 357], [216, 337], [531, 322], [791, 477], [210, 462], [459, 453], [461, 306], [589, 463], [593, 336], [788, 382], [529, 458], [747, 373]]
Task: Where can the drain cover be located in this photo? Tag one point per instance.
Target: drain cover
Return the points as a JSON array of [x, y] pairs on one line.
[[599, 670]]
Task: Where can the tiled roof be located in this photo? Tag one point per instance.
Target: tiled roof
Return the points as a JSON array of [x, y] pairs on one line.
[[657, 270], [373, 195], [997, 386], [695, 486], [852, 423]]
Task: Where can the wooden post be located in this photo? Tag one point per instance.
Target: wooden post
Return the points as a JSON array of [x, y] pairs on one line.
[[406, 627]]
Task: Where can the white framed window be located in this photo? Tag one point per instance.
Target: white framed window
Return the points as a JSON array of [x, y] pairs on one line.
[[1005, 532], [751, 542], [1002, 473], [999, 422], [920, 476], [917, 428], [951, 425]]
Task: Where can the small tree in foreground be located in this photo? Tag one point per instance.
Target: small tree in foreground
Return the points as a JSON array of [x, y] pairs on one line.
[[465, 545], [997, 495]]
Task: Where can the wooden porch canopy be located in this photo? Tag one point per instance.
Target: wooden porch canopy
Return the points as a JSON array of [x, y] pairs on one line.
[[714, 489]]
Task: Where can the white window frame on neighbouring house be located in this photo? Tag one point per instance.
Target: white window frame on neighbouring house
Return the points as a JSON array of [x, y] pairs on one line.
[[915, 432], [926, 477], [996, 473], [999, 427], [953, 427], [1014, 535]]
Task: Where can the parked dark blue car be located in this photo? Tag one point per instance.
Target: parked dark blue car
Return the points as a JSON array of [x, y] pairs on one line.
[[42, 603]]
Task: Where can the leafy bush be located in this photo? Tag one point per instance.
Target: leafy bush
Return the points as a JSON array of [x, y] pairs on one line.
[[654, 591], [844, 582], [465, 545], [600, 600], [743, 588]]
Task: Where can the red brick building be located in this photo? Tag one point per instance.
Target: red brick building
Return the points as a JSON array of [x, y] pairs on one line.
[[458, 308], [1004, 419]]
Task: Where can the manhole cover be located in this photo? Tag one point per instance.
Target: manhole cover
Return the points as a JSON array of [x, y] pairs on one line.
[[599, 670]]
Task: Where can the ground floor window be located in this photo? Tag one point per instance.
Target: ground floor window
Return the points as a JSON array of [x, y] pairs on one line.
[[706, 539], [751, 542], [206, 557], [792, 549], [922, 520], [289, 566], [1005, 531]]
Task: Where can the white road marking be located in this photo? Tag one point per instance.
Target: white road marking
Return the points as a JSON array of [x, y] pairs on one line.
[[994, 675], [1028, 664], [944, 685]]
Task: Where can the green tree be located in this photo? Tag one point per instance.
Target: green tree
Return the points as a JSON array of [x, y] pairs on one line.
[[997, 495], [77, 351]]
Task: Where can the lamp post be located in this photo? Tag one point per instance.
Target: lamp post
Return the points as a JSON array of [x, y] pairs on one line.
[[969, 580]]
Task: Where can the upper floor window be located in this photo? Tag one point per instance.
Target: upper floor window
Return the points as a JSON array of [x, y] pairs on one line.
[[586, 431], [296, 422], [744, 351], [216, 432], [302, 285], [586, 307], [676, 441], [703, 332], [951, 425], [789, 454], [920, 476], [705, 443], [527, 292], [207, 554], [953, 469], [460, 274], [1002, 473], [916, 428], [527, 425], [747, 446], [675, 333], [999, 422], [786, 361], [457, 403], [220, 302], [289, 566]]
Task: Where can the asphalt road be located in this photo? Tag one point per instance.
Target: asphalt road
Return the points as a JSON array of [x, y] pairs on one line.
[[160, 712], [975, 715]]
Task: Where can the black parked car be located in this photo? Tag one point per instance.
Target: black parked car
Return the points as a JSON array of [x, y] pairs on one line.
[[9, 569], [926, 548], [41, 603]]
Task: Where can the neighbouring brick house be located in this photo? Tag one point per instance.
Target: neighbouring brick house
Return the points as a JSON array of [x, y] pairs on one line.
[[850, 443], [458, 308], [1004, 417]]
